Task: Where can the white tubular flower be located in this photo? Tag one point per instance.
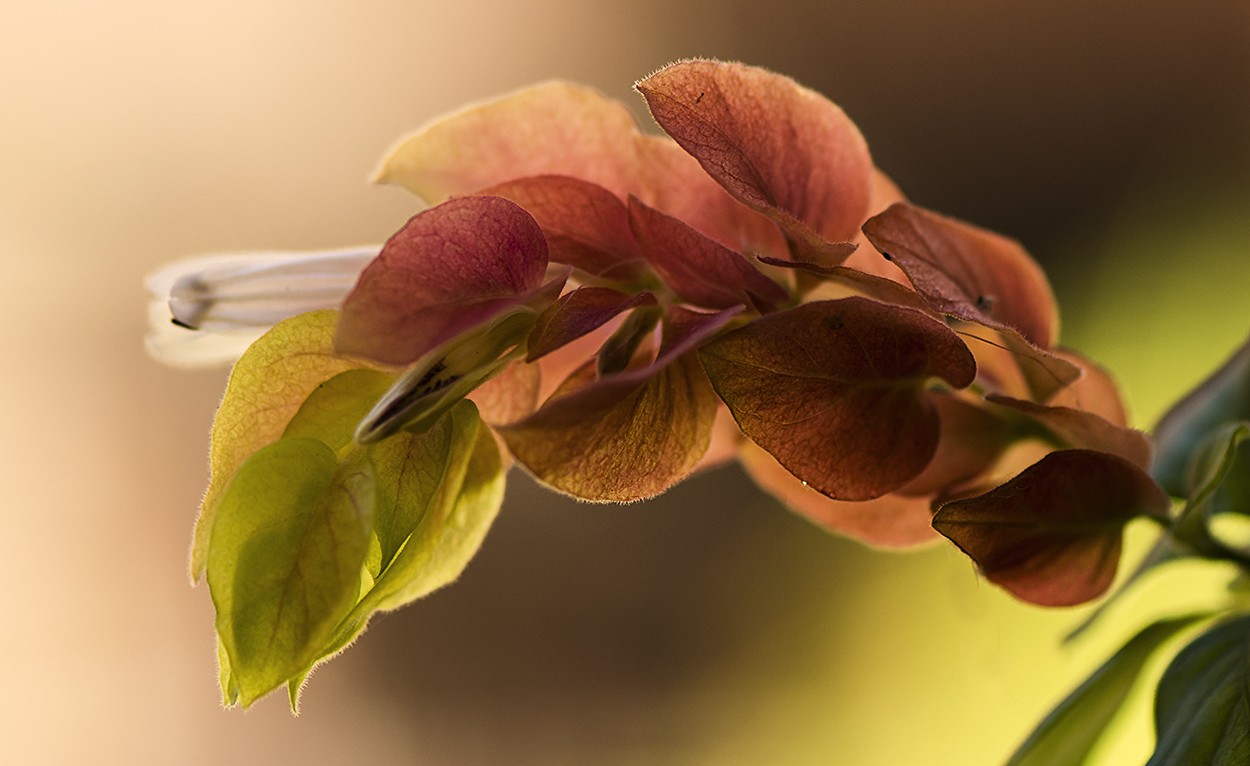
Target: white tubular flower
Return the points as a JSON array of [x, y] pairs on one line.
[[206, 311]]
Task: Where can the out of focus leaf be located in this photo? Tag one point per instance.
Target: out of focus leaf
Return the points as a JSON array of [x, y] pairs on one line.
[[1217, 476], [1052, 535], [889, 521], [835, 390], [1222, 398], [1220, 472], [284, 567], [556, 128], [1084, 430], [1202, 707], [1070, 731]]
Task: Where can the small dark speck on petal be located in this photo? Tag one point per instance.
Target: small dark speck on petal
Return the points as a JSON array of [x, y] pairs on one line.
[[700, 98], [834, 322]]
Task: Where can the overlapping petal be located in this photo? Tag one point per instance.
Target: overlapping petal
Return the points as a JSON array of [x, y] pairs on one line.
[[578, 313], [564, 129], [968, 272], [1094, 390], [267, 387], [1084, 430], [450, 268], [1010, 365], [697, 268], [628, 435], [866, 257], [890, 521], [839, 386], [510, 395], [586, 226], [673, 181], [971, 441]]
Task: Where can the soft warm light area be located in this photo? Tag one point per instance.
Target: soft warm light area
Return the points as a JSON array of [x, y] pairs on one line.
[[708, 627]]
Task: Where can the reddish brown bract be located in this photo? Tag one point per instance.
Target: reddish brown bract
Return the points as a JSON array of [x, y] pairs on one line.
[[1051, 536]]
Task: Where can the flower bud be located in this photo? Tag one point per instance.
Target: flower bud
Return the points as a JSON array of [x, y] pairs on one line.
[[447, 374]]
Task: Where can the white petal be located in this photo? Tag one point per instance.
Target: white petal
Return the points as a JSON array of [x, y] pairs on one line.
[[179, 347], [227, 292], [231, 300]]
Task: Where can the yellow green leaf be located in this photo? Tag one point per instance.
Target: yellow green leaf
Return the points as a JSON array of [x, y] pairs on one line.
[[268, 385], [334, 408], [438, 493], [1074, 727], [291, 536]]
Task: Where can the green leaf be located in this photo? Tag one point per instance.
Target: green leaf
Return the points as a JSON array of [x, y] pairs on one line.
[[419, 472], [225, 679], [1220, 471], [334, 408], [438, 494], [1202, 708], [1222, 398], [1218, 485], [449, 532], [1070, 731], [290, 538], [268, 385]]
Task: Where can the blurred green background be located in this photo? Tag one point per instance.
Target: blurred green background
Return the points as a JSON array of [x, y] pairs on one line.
[[708, 627]]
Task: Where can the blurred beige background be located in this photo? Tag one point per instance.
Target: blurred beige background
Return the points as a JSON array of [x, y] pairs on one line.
[[708, 627]]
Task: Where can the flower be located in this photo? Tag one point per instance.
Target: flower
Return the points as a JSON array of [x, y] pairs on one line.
[[205, 311], [880, 362]]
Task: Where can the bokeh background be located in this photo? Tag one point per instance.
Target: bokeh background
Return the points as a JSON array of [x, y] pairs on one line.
[[707, 627]]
